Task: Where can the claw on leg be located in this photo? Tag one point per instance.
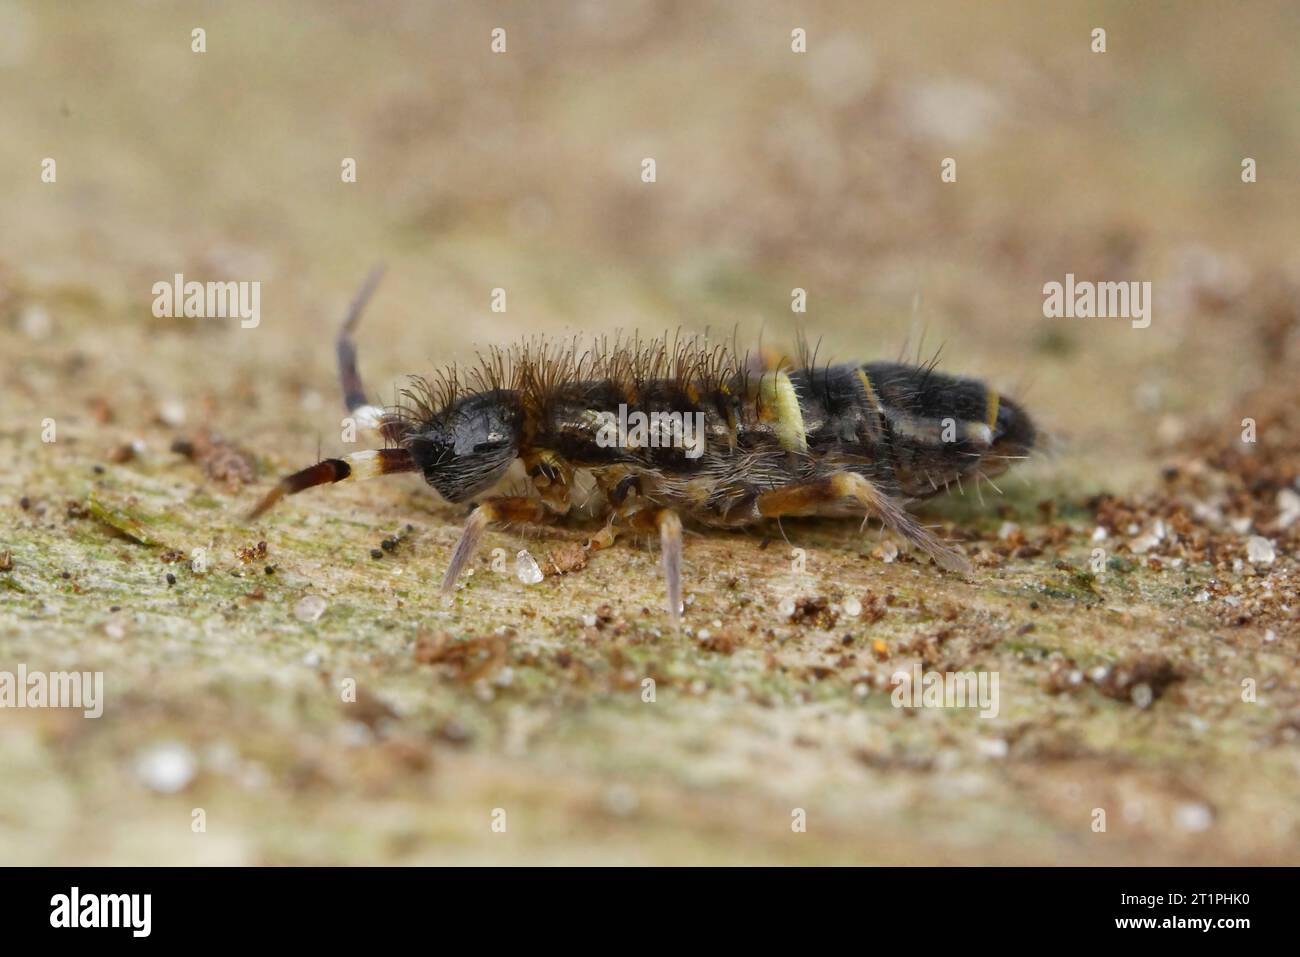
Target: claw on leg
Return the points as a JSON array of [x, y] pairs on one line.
[[603, 539]]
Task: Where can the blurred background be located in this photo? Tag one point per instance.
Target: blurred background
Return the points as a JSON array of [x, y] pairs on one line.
[[522, 170], [775, 170]]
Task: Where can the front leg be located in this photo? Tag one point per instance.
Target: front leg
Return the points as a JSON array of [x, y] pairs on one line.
[[508, 510], [552, 478]]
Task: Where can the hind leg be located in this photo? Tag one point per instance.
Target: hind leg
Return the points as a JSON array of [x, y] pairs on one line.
[[835, 491]]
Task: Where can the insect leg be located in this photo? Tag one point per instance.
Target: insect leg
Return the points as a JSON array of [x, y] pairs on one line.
[[359, 465], [508, 510], [669, 527], [815, 497], [604, 538], [618, 491], [552, 477], [670, 547]]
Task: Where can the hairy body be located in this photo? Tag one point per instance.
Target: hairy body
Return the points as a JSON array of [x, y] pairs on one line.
[[775, 439]]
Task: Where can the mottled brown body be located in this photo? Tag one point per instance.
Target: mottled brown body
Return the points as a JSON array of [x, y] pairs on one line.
[[684, 429]]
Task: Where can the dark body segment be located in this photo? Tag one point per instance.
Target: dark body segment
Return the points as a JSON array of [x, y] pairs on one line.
[[909, 430]]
